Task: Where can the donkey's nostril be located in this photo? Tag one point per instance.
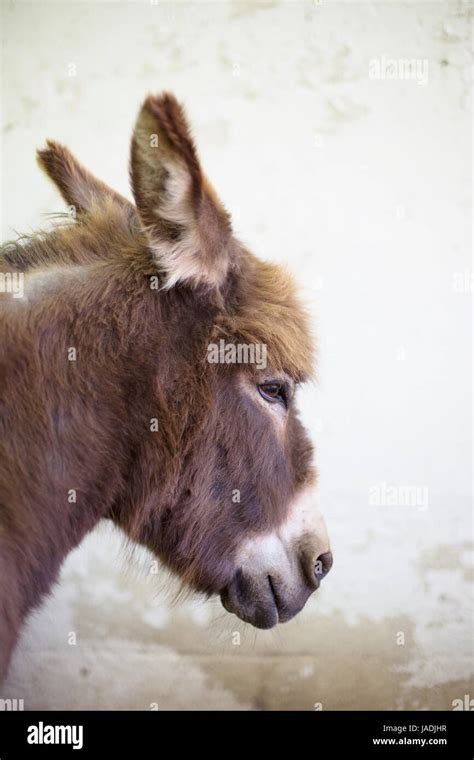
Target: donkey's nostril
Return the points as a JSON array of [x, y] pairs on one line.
[[323, 565]]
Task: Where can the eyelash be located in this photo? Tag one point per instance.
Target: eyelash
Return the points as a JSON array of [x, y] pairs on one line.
[[281, 396]]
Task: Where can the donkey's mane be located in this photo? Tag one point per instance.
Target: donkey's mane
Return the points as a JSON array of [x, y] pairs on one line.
[[105, 232], [262, 304]]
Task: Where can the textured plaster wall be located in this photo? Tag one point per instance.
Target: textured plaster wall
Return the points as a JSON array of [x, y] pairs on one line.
[[363, 186]]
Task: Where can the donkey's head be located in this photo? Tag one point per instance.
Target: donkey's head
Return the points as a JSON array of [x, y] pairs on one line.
[[225, 483]]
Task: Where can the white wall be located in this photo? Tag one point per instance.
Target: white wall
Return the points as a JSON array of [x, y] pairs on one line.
[[363, 186]]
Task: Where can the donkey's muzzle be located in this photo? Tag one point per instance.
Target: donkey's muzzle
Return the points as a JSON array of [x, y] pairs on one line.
[[265, 600], [276, 572]]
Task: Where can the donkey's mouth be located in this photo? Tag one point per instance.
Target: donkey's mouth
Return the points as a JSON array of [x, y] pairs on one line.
[[262, 616], [261, 601]]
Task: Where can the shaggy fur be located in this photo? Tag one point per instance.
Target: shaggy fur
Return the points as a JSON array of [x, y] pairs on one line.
[[138, 427], [79, 188]]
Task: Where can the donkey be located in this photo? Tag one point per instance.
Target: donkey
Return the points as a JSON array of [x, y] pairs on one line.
[[110, 406]]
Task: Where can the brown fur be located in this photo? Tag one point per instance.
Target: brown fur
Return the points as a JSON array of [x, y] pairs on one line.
[[141, 355], [79, 188], [176, 203]]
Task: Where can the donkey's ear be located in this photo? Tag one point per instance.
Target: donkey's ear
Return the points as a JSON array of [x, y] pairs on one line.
[[77, 185], [187, 226]]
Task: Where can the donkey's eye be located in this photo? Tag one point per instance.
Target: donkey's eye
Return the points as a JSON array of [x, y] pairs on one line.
[[273, 392]]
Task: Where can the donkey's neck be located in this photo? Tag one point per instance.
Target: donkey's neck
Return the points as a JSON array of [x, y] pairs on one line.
[[94, 357], [68, 398]]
